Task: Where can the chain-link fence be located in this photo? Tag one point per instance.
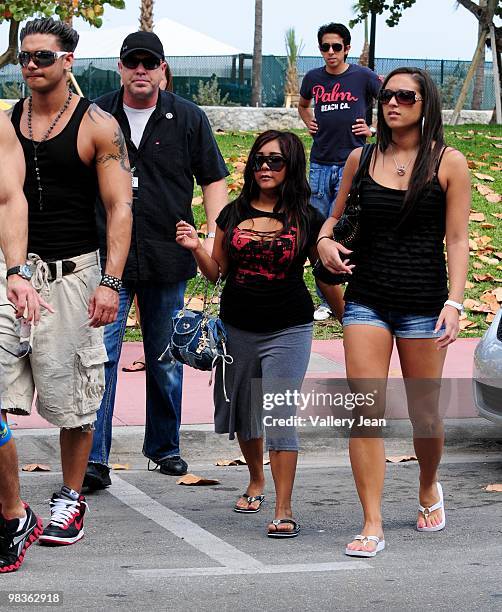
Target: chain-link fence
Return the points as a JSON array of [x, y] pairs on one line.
[[99, 76]]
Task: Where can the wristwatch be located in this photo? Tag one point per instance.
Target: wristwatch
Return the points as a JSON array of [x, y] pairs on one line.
[[23, 271], [372, 130], [211, 235], [457, 305]]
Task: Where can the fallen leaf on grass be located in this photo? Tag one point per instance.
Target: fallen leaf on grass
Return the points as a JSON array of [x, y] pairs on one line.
[[472, 245], [477, 265], [131, 322], [464, 323], [120, 466], [469, 285], [400, 458], [483, 241], [494, 488], [196, 481], [36, 467], [483, 189], [483, 177], [480, 278], [491, 261], [197, 201], [488, 225], [490, 317], [493, 198], [497, 293], [496, 215], [477, 216], [493, 137]]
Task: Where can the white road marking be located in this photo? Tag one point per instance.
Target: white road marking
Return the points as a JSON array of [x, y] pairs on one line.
[[183, 528], [233, 560], [264, 569]]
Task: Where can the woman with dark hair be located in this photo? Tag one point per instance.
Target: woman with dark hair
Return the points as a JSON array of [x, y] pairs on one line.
[[416, 191], [262, 241]]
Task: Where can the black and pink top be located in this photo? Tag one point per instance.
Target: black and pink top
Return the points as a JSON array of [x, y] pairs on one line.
[[264, 289]]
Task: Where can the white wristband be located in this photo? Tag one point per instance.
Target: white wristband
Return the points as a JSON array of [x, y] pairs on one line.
[[211, 235], [457, 305]]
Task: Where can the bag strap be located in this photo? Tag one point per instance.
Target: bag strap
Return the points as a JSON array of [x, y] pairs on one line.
[[209, 295], [364, 162]]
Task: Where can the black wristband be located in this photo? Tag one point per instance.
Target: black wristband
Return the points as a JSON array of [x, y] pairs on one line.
[[319, 239], [112, 282]]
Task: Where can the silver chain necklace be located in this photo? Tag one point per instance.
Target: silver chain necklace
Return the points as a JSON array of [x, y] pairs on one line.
[[44, 138], [400, 168]]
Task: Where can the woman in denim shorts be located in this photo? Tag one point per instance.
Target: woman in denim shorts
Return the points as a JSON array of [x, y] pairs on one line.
[[415, 193]]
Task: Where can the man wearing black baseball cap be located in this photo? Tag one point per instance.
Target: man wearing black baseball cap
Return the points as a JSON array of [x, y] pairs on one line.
[[170, 143], [142, 41]]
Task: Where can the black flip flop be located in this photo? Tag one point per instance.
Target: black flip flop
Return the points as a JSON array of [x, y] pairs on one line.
[[142, 369], [292, 533], [250, 500]]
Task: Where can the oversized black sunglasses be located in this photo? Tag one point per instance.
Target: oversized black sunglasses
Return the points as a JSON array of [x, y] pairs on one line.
[[325, 47], [149, 63], [274, 162], [41, 59], [403, 96]]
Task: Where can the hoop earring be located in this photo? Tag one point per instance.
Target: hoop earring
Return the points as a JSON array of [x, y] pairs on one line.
[[423, 123]]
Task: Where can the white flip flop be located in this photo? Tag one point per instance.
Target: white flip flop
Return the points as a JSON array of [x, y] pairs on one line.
[[380, 545], [436, 506]]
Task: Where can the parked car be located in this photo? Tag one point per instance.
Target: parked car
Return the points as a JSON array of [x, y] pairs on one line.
[[487, 377]]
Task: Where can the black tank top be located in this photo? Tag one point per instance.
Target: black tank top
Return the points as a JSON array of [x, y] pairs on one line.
[[66, 227], [401, 270]]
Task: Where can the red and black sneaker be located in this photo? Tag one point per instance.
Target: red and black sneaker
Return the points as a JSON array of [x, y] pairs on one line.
[[16, 536], [67, 519]]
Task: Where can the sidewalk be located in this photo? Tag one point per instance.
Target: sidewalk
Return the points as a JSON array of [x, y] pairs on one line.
[[326, 362]]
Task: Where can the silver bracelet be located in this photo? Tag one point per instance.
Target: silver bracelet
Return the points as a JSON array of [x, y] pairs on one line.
[[112, 282]]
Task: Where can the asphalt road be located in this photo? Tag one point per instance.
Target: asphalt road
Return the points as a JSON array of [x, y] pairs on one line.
[[153, 545]]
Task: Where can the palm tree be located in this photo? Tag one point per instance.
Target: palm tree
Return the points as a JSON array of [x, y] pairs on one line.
[[257, 53], [146, 15], [293, 50]]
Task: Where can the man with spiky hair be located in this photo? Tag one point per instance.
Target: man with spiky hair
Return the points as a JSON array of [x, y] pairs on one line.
[[19, 526], [73, 151]]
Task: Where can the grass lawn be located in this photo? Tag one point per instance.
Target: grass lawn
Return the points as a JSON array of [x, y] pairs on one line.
[[482, 145]]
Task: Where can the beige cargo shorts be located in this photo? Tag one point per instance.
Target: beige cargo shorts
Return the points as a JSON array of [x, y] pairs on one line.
[[66, 364]]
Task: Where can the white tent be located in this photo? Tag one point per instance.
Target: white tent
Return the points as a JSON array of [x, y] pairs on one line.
[[176, 38]]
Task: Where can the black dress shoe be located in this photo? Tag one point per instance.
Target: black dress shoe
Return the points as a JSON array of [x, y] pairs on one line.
[[173, 466], [97, 477]]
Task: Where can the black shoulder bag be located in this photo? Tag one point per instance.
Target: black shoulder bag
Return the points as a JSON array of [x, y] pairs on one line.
[[347, 229]]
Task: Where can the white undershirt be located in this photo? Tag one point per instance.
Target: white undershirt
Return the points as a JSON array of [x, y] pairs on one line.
[[138, 118]]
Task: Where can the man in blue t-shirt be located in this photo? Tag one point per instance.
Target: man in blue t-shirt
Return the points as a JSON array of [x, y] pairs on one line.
[[342, 94]]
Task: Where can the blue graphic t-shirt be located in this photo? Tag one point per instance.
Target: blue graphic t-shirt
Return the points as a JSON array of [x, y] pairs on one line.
[[339, 99]]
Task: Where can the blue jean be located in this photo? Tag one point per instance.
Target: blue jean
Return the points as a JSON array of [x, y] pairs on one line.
[[398, 324], [324, 182], [157, 302]]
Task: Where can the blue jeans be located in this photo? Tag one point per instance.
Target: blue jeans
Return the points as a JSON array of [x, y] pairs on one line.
[[157, 302], [324, 182], [398, 324]]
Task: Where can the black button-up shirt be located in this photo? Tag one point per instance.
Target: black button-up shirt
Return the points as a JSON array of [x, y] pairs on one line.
[[177, 145]]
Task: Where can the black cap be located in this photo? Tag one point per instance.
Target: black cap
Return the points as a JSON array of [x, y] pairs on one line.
[[142, 41]]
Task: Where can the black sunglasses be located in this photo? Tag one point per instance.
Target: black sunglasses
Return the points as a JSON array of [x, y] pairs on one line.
[[41, 59], [325, 47], [403, 96], [274, 162], [149, 63]]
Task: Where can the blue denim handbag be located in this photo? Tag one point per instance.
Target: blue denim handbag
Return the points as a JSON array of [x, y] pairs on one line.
[[199, 337]]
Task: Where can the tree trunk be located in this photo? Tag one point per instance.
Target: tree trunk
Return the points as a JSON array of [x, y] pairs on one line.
[[146, 16], [10, 56], [465, 87], [257, 54], [496, 75], [479, 78]]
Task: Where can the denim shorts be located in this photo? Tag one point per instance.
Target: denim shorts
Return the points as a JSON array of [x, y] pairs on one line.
[[399, 324]]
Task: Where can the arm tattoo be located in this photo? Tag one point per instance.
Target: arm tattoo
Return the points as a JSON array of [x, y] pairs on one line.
[[120, 154], [95, 113]]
